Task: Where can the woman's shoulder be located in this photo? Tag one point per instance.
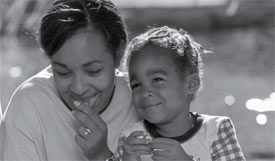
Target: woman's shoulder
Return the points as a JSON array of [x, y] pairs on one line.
[[37, 83], [32, 90], [32, 96], [121, 77], [122, 84]]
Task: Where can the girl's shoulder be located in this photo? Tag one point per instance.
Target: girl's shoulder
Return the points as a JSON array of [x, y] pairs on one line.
[[212, 124], [214, 120]]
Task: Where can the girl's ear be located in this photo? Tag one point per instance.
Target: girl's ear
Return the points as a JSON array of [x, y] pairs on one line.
[[193, 83], [119, 53]]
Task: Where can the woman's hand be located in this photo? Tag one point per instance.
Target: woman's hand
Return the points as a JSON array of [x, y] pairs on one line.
[[135, 145], [165, 149], [92, 135]]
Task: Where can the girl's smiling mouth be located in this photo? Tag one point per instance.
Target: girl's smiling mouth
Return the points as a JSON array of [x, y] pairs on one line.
[[148, 106]]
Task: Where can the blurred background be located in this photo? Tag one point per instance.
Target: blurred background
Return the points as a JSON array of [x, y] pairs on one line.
[[239, 77]]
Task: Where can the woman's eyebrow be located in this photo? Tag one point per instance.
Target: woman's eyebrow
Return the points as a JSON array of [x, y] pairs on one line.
[[59, 64], [91, 63]]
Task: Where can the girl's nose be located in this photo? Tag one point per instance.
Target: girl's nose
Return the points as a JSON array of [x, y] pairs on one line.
[[146, 94]]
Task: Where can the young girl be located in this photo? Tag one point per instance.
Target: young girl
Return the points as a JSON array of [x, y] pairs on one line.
[[164, 66]]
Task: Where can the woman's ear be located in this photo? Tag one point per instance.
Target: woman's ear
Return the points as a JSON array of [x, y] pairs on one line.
[[119, 53], [193, 83]]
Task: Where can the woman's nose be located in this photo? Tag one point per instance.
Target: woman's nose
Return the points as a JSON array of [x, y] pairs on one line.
[[78, 86]]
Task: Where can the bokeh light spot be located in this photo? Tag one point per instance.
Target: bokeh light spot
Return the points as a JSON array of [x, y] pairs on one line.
[[15, 72], [229, 100], [254, 104], [272, 96], [261, 119], [261, 105]]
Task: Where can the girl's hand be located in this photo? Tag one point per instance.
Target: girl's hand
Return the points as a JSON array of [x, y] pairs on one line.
[[135, 145], [93, 141], [165, 149]]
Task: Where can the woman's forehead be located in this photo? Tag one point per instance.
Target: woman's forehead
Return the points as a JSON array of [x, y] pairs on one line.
[[81, 41], [82, 48]]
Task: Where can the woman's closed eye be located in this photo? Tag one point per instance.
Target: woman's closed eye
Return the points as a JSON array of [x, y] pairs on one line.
[[93, 72], [63, 73]]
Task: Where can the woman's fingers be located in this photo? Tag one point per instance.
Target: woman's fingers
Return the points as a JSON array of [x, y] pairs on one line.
[[81, 142], [84, 132], [89, 118], [92, 134], [86, 121]]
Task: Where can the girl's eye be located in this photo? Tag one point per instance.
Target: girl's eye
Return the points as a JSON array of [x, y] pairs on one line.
[[136, 85], [157, 79]]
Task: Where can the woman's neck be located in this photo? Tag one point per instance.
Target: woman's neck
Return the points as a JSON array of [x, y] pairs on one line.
[[111, 97], [176, 127]]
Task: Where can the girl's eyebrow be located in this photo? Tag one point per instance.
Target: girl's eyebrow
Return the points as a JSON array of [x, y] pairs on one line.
[[150, 73], [156, 71], [132, 78]]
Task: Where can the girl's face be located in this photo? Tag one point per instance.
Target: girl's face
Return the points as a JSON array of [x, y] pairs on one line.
[[159, 93], [84, 70]]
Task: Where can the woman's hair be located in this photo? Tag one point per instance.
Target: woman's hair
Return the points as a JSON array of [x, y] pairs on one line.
[[187, 52], [66, 17]]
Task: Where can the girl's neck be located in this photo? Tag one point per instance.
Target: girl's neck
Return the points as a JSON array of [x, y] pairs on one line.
[[176, 127]]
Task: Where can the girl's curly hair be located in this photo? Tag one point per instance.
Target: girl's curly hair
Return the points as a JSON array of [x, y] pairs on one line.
[[187, 52]]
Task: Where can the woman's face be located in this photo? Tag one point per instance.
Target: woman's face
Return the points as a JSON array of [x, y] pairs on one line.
[[84, 70]]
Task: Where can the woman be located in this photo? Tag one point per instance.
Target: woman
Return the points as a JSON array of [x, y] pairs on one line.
[[76, 108]]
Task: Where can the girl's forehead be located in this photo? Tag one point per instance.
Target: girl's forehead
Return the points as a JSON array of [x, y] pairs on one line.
[[156, 52], [157, 56]]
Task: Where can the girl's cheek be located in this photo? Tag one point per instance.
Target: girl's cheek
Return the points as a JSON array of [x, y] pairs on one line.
[[135, 100]]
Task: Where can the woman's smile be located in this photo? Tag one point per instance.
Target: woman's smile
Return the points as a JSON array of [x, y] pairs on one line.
[[90, 101]]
